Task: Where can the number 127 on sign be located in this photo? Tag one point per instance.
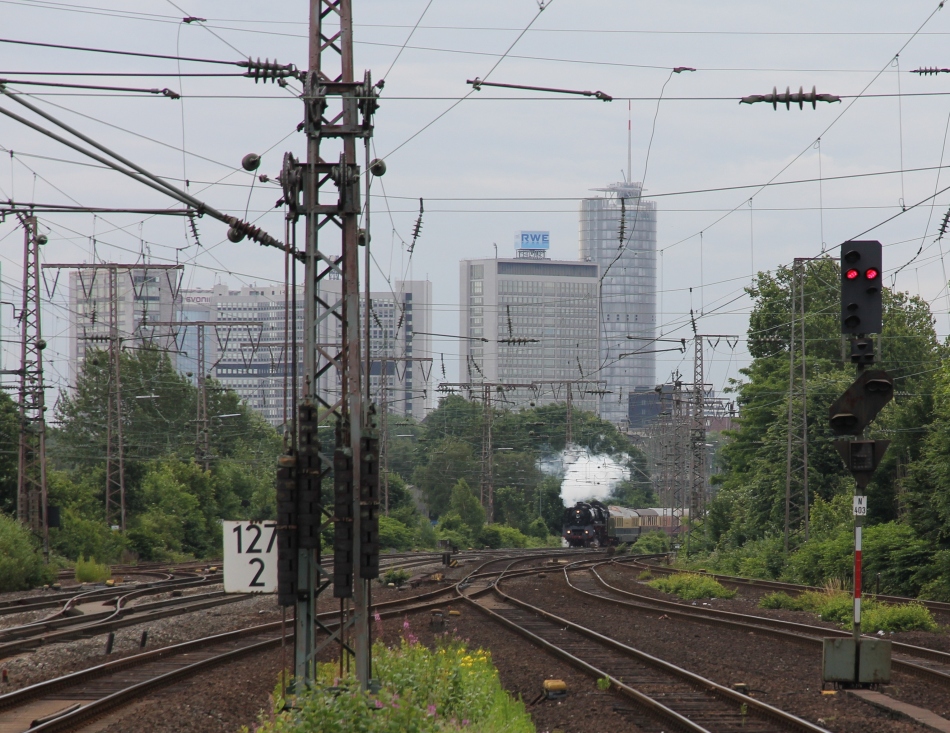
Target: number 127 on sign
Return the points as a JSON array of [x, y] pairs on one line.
[[250, 557]]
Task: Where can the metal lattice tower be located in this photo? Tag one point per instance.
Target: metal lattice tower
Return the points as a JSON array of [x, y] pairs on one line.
[[31, 466], [796, 457], [487, 478], [670, 446], [112, 336], [697, 436], [338, 112], [115, 445]]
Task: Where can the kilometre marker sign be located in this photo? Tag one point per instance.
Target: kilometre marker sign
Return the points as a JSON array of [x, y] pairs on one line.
[[250, 557]]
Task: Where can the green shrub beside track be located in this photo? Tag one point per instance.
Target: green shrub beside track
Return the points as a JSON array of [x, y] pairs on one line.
[[21, 562], [691, 586], [837, 606], [422, 691]]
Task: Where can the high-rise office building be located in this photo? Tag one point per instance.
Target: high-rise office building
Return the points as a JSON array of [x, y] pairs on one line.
[[247, 351], [245, 348], [400, 346], [538, 318], [142, 295], [627, 293]]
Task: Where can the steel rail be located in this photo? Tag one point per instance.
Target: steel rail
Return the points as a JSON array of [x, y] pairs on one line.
[[724, 693], [647, 703], [788, 630], [68, 720], [36, 603]]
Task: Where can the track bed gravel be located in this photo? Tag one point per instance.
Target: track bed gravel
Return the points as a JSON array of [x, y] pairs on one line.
[[223, 699], [62, 658], [747, 601], [786, 675]]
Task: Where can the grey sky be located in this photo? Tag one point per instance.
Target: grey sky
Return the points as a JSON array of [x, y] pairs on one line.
[[504, 161]]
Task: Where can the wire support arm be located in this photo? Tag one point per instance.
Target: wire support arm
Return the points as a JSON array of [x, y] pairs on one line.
[[96, 87], [238, 227], [477, 84]]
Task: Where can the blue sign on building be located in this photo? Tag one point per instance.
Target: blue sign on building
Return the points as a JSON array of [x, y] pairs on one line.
[[533, 240]]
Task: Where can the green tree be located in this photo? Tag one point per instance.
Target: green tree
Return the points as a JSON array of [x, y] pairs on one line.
[[467, 506], [9, 447], [751, 500], [21, 558], [448, 461]]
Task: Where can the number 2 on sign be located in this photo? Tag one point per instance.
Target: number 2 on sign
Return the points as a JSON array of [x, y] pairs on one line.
[[860, 506]]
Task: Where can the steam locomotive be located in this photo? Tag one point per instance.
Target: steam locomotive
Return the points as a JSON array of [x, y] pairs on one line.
[[592, 524]]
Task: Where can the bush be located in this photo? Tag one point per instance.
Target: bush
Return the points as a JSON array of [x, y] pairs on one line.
[[652, 543], [21, 559], [86, 536], [691, 586], [837, 606], [623, 548], [903, 617], [423, 691], [497, 536], [396, 576], [538, 529], [90, 571], [395, 535], [645, 575]]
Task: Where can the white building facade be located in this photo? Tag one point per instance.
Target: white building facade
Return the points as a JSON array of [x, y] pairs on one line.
[[401, 359], [143, 295], [530, 320]]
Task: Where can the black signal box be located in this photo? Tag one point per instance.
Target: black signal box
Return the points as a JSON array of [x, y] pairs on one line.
[[861, 282]]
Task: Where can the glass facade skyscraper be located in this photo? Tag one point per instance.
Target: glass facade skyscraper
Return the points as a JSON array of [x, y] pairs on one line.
[[627, 292]]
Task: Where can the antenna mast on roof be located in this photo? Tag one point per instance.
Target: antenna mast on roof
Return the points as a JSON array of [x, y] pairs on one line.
[[629, 145]]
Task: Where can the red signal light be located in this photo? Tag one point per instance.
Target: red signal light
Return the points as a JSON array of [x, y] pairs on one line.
[[871, 273], [852, 274]]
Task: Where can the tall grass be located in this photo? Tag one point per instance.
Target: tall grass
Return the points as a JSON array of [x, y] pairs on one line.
[[423, 691], [692, 586], [837, 606], [90, 571]]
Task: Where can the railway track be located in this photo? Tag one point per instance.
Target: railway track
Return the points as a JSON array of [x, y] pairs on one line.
[[664, 692], [187, 578], [793, 588], [67, 703], [922, 662], [100, 593]]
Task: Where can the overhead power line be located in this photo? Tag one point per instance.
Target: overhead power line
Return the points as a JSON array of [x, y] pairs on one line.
[[238, 227]]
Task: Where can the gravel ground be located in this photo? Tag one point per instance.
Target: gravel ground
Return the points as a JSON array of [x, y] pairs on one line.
[[225, 698], [58, 659], [747, 601], [27, 617], [784, 674]]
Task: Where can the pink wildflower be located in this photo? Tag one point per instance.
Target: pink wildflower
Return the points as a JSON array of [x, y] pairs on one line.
[[378, 704], [464, 722], [431, 709]]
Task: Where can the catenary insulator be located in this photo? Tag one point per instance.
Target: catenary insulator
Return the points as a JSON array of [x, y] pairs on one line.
[[788, 98], [268, 70]]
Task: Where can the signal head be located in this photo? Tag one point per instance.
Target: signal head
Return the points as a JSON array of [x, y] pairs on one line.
[[852, 274], [852, 256], [872, 273]]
